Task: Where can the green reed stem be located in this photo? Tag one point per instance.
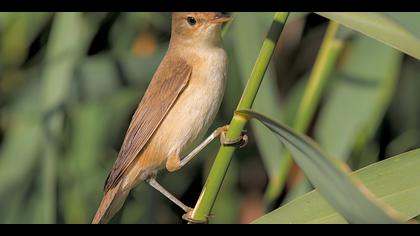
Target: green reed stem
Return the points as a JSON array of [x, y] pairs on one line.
[[217, 173], [324, 65]]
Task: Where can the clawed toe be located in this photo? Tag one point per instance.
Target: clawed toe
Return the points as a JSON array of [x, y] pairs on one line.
[[241, 142], [188, 217]]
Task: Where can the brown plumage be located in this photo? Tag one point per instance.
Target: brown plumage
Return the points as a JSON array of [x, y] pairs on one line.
[[175, 112], [163, 90]]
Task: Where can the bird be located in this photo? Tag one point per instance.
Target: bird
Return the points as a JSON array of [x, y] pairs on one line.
[[175, 112]]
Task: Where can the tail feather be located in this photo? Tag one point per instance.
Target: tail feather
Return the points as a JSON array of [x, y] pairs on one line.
[[111, 203]]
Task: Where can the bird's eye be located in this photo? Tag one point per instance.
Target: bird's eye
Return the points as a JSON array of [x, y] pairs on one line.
[[191, 20]]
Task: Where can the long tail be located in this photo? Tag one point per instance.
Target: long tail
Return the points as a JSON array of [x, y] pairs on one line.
[[111, 203]]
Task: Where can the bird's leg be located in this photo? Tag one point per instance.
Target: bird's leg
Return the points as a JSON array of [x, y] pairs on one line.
[[152, 182], [175, 163], [188, 210], [201, 146], [242, 141]]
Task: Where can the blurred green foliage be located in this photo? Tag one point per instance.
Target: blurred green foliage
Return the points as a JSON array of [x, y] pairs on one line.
[[69, 84]]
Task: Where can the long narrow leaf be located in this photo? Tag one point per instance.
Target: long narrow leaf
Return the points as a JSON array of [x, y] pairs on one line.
[[330, 176], [380, 27], [402, 190]]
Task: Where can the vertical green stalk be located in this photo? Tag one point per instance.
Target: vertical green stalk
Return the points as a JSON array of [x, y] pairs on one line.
[[324, 64], [323, 67], [217, 173], [68, 32]]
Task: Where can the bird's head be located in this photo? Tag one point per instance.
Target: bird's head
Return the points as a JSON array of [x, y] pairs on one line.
[[198, 28]]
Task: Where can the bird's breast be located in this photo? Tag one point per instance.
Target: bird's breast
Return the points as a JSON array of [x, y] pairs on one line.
[[190, 117], [197, 106]]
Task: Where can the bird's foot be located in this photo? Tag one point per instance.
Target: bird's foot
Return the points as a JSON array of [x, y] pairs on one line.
[[188, 217], [241, 142]]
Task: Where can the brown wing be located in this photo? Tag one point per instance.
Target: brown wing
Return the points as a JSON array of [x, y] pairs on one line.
[[167, 84]]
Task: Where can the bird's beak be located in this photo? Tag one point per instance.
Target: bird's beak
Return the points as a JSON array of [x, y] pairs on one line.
[[220, 18]]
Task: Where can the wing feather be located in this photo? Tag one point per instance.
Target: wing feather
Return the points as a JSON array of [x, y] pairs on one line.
[[167, 84]]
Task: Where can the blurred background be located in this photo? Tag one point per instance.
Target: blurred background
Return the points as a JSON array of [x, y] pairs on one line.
[[70, 82]]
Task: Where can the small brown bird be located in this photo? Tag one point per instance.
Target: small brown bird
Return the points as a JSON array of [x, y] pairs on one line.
[[176, 111]]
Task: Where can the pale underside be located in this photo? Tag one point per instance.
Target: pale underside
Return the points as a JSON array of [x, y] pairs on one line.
[[174, 114]]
